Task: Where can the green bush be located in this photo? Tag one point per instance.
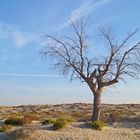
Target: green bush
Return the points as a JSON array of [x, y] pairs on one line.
[[59, 124], [48, 121], [97, 124], [4, 128]]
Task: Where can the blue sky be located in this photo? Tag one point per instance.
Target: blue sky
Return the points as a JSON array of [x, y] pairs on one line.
[[26, 78]]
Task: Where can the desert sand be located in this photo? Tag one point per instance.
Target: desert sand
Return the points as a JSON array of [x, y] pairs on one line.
[[122, 126], [75, 131]]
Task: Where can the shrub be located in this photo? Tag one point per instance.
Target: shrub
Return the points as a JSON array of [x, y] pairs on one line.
[[25, 120], [48, 121], [18, 120], [12, 121], [4, 128], [97, 124], [59, 124]]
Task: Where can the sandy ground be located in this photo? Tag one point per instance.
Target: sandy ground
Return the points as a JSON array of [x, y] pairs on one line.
[[76, 131], [126, 122]]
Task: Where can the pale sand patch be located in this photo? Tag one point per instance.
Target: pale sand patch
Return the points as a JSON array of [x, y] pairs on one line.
[[79, 131]]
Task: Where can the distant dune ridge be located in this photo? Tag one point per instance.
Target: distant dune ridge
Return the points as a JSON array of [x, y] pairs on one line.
[[122, 122]]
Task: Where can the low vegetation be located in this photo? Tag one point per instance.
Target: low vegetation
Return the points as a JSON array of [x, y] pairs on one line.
[[80, 117], [5, 128], [59, 124], [18, 120], [13, 121], [68, 118], [32, 116], [77, 112], [115, 116], [97, 124], [48, 121]]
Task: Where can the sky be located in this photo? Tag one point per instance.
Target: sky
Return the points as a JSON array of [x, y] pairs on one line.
[[27, 78]]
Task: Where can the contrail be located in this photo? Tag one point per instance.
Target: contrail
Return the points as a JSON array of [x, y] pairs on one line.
[[29, 75]]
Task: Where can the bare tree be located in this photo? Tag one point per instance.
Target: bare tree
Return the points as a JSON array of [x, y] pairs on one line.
[[72, 57]]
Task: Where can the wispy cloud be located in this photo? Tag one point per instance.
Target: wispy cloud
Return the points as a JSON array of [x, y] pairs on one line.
[[82, 10], [22, 38], [87, 7], [16, 35], [29, 75]]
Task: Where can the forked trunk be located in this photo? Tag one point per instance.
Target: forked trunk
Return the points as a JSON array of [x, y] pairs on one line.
[[96, 107]]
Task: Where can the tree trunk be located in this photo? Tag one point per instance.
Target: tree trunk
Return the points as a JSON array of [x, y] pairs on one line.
[[96, 107]]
